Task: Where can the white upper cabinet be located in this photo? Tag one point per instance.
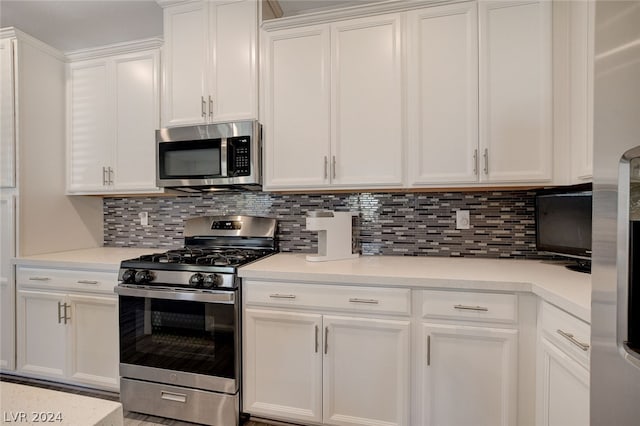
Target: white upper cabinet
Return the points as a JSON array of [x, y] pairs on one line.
[[443, 94], [297, 114], [7, 115], [91, 126], [367, 126], [516, 137], [113, 112], [419, 96], [581, 86], [210, 66], [333, 105]]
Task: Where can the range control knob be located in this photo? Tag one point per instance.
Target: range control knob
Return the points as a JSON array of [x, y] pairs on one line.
[[212, 280], [129, 276], [196, 280], [143, 276]]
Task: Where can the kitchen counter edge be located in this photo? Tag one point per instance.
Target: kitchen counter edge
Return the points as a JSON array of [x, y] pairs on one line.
[[549, 280]]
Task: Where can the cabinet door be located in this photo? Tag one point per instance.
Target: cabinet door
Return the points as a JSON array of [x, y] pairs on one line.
[[7, 283], [185, 50], [365, 371], [283, 365], [41, 333], [515, 91], [581, 78], [297, 108], [443, 94], [93, 344], [7, 114], [562, 389], [233, 76], [91, 126], [469, 375], [137, 117], [367, 108]]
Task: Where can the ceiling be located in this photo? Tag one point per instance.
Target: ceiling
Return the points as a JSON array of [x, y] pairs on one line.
[[70, 25]]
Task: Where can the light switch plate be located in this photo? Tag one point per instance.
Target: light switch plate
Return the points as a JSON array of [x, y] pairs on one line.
[[144, 218], [462, 219]]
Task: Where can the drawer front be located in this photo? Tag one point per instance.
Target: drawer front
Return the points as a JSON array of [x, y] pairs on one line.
[[396, 301], [470, 306], [94, 281], [570, 334]]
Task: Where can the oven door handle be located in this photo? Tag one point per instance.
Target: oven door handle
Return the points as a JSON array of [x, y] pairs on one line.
[[226, 297]]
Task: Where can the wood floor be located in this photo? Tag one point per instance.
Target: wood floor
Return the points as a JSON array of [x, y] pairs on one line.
[[130, 418]]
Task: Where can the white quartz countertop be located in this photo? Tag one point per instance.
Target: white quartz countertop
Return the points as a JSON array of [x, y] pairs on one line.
[[99, 258], [30, 405], [551, 281]]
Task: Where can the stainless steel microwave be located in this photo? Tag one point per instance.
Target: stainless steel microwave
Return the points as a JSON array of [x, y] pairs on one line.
[[210, 157]]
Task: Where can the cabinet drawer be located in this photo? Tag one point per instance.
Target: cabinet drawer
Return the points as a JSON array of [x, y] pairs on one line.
[[95, 281], [472, 306], [570, 334], [317, 296]]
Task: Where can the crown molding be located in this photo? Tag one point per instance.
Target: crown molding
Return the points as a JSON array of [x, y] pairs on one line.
[[114, 49], [327, 16], [22, 37]]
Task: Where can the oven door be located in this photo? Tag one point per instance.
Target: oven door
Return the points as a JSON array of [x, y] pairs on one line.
[[183, 338]]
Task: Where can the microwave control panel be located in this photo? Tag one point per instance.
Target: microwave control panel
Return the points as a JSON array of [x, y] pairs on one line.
[[239, 156]]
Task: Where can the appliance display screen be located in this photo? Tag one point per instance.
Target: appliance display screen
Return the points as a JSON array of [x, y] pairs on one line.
[[563, 223]]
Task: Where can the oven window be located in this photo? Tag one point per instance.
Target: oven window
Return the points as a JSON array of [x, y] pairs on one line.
[[190, 159], [193, 337]]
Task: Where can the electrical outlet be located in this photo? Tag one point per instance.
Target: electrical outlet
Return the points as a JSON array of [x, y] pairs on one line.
[[144, 218], [462, 219]]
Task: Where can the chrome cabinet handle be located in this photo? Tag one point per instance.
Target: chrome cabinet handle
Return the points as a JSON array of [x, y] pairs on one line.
[[66, 317], [60, 317], [486, 161], [282, 296], [475, 162], [369, 301], [326, 340], [210, 106], [87, 282], [317, 330], [203, 107], [573, 340], [39, 278], [172, 396], [110, 176], [104, 176], [326, 168], [429, 350], [333, 167], [471, 308]]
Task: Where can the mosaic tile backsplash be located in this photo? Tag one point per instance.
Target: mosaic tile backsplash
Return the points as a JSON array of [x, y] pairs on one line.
[[411, 224]]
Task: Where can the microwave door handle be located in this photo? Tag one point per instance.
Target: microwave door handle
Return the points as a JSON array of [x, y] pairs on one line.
[[223, 158]]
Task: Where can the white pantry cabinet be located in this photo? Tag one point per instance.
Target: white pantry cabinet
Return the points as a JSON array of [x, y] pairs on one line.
[[334, 119], [562, 388], [7, 114], [467, 359], [113, 112], [306, 363], [210, 63], [67, 326], [7, 282], [515, 50]]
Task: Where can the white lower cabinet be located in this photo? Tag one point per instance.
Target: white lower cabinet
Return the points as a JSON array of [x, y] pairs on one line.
[[563, 369], [320, 368], [470, 376], [64, 333], [466, 363]]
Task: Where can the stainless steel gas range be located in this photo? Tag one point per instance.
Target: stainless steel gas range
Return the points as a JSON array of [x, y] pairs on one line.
[[179, 315]]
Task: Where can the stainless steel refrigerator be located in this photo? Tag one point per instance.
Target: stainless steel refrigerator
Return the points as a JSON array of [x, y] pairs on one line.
[[615, 315]]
